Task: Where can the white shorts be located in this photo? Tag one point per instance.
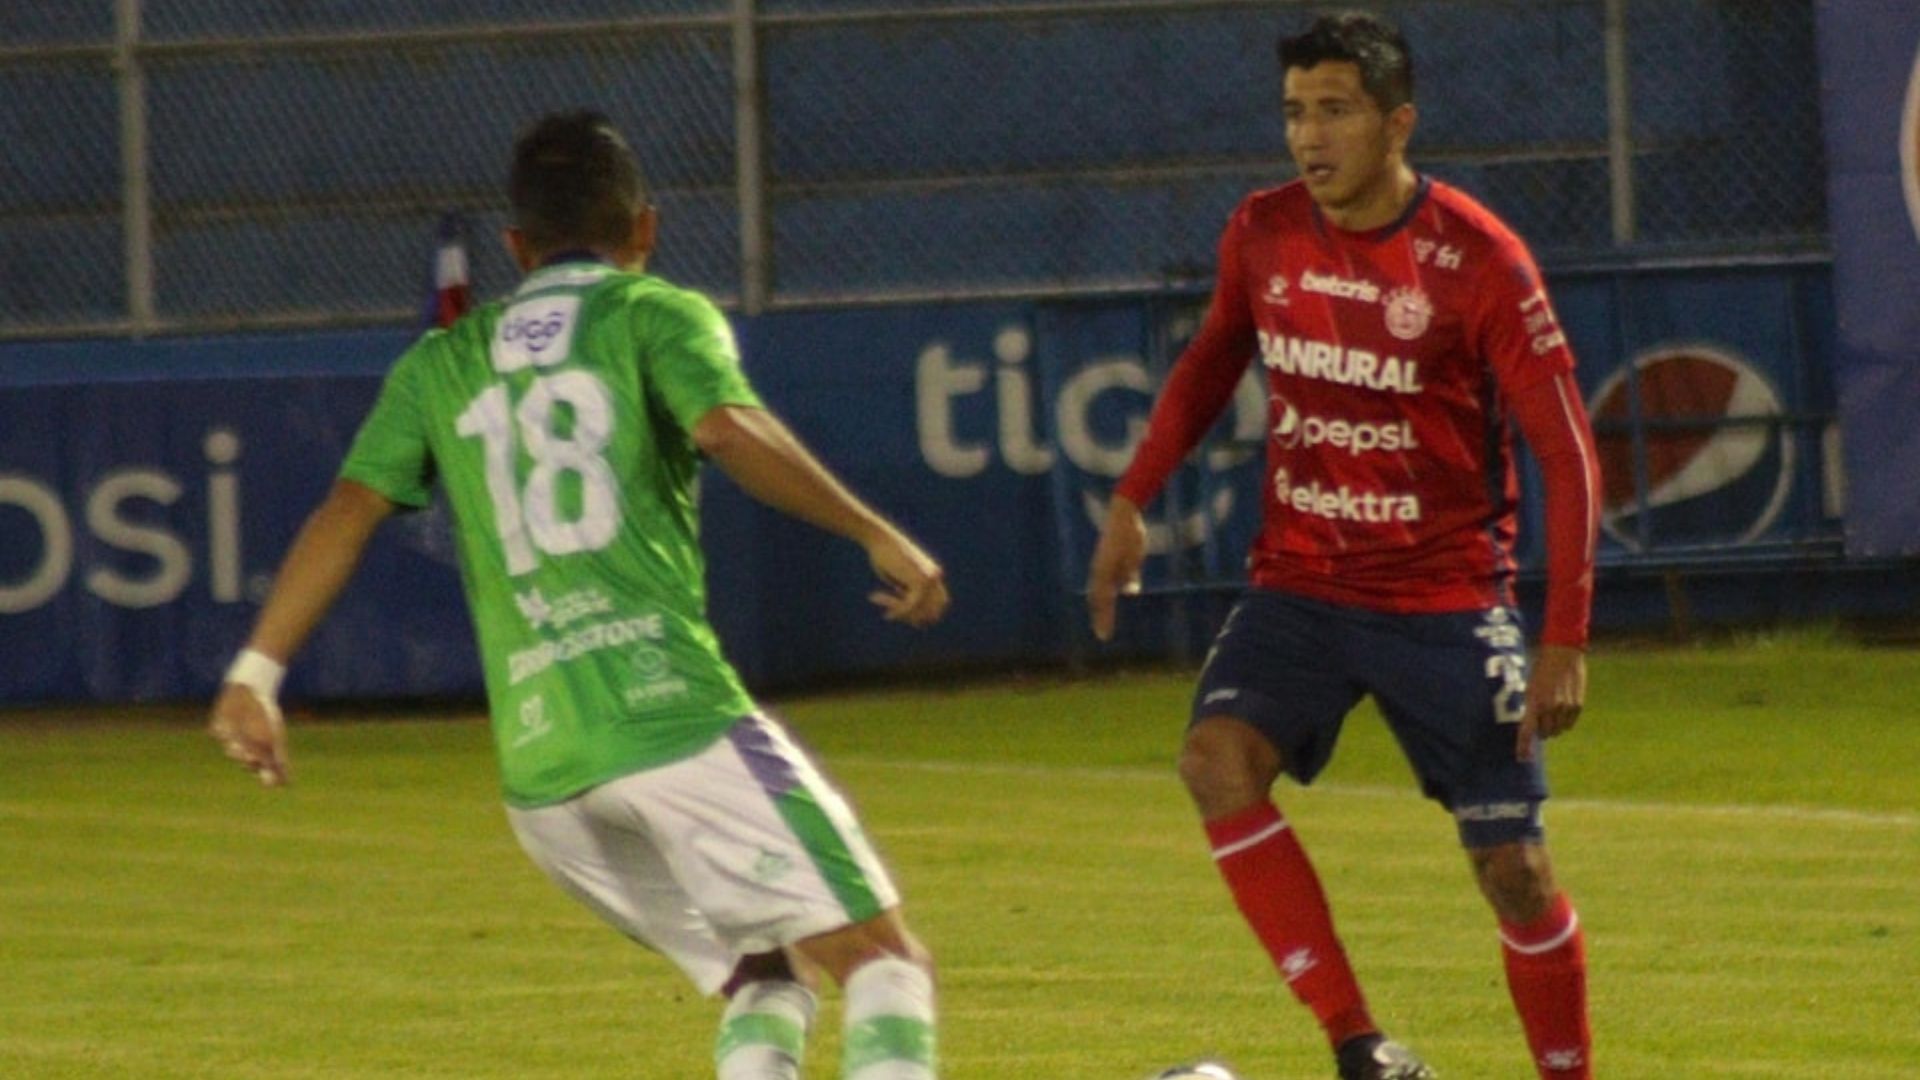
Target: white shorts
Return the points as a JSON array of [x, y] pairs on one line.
[[740, 849]]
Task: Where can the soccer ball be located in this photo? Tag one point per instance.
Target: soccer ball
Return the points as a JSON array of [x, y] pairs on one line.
[[1203, 1070]]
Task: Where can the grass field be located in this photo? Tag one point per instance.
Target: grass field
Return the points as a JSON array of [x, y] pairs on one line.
[[1740, 825]]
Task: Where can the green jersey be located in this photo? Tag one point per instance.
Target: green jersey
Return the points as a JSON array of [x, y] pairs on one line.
[[558, 422]]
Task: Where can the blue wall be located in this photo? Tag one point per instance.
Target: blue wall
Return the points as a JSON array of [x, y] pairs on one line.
[[1872, 50], [147, 489]]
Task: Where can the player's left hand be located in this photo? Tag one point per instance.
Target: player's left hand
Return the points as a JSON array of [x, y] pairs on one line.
[[915, 590], [1556, 691], [251, 731]]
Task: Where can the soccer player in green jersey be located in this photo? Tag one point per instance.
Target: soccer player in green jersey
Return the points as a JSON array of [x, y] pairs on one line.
[[565, 424]]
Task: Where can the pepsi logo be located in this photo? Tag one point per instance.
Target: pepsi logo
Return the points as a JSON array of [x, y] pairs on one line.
[[1293, 429], [1286, 425], [1714, 469], [1910, 146]]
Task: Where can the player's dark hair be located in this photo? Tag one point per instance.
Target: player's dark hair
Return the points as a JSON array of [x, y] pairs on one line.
[[1360, 38], [575, 183]]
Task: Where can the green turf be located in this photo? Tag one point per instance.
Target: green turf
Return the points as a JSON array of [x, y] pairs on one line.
[[1740, 825]]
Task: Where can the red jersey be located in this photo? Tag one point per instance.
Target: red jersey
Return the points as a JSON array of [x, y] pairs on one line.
[[1394, 359]]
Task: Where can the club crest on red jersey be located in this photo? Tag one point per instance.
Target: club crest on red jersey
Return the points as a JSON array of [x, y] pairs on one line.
[[1276, 293], [1910, 147], [1409, 313]]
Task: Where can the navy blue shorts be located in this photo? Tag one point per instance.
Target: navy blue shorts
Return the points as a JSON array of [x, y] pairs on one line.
[[1451, 686]]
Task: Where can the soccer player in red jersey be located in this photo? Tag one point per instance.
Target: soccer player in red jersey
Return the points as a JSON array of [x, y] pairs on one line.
[[1404, 331]]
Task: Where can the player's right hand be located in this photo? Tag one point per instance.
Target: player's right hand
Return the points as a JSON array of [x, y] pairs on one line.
[[1116, 563], [251, 731], [916, 586]]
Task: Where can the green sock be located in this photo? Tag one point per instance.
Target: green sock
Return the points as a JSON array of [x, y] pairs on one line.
[[889, 1023], [763, 1033]]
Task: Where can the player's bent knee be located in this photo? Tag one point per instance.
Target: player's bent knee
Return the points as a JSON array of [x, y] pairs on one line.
[[884, 937], [1226, 765], [1516, 878], [1204, 771]]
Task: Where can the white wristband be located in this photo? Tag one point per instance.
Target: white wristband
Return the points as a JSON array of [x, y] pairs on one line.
[[257, 672]]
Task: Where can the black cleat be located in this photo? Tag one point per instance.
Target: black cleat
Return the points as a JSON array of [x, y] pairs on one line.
[[1376, 1057]]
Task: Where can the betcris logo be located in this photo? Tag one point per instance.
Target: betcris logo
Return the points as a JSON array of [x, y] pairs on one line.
[[1713, 460], [110, 535], [1100, 415], [1910, 146]]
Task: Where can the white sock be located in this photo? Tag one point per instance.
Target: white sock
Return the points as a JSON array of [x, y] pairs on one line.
[[889, 1023], [763, 1033]]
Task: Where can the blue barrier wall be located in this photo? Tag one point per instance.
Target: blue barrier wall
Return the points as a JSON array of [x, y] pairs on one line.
[[147, 489], [1871, 51]]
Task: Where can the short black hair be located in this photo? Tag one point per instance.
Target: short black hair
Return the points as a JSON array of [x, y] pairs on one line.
[[575, 183], [1360, 38]]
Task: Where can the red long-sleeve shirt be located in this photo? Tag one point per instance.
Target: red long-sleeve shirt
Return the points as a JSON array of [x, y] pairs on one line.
[[1394, 360]]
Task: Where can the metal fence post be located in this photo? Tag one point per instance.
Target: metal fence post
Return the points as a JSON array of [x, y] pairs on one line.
[[750, 160], [1620, 125], [136, 214]]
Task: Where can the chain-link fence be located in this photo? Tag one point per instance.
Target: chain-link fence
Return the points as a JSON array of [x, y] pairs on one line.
[[211, 164]]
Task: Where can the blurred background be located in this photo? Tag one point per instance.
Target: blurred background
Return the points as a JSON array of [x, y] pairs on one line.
[[212, 164], [961, 242]]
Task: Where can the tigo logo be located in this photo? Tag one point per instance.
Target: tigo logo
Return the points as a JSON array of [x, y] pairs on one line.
[[535, 333]]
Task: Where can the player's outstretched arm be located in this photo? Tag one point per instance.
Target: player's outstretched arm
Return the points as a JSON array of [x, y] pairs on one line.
[[1115, 568], [246, 716], [754, 448]]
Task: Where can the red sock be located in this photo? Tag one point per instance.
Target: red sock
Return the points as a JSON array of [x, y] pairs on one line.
[[1547, 975], [1280, 896]]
